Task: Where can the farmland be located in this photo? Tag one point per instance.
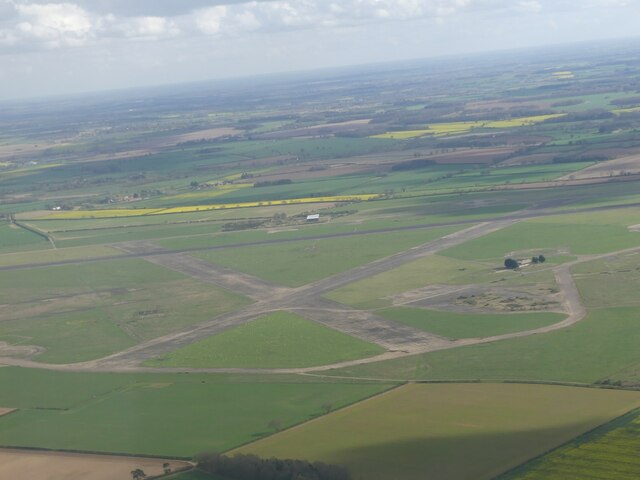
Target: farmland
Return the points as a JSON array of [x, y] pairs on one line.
[[607, 452], [453, 128], [164, 291], [91, 467], [448, 431], [236, 410]]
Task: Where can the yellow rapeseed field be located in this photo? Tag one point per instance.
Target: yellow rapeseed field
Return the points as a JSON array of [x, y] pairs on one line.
[[618, 111], [454, 128], [203, 208], [210, 193]]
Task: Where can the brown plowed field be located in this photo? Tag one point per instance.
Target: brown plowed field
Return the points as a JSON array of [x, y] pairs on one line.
[[15, 464]]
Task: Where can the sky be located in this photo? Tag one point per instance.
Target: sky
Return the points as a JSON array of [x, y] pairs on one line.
[[49, 47]]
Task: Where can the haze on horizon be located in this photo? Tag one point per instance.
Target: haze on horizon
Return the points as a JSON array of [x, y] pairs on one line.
[[49, 47]]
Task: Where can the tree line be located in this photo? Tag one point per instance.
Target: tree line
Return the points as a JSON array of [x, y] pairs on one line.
[[251, 467]]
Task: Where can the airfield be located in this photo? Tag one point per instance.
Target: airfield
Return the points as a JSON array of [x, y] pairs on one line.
[[266, 281]]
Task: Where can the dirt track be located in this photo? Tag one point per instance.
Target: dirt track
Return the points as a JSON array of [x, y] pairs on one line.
[[398, 339]]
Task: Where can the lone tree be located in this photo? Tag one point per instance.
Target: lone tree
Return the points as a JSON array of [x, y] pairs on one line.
[[535, 260], [138, 474], [511, 264], [541, 258]]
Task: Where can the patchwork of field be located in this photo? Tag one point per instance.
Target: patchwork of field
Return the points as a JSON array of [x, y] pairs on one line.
[[609, 452], [620, 166], [456, 128], [469, 431], [163, 293], [55, 465]]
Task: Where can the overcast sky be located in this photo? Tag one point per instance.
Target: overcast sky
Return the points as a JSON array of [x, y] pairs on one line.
[[85, 45]]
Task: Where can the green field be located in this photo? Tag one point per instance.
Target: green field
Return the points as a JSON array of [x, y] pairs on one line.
[[593, 350], [457, 432], [82, 312], [174, 415], [298, 263], [58, 255], [463, 325], [608, 453], [278, 340], [14, 238], [609, 282], [579, 234]]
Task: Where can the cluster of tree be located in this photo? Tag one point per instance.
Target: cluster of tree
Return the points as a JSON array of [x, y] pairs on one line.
[[585, 157], [101, 168], [412, 165], [401, 119], [138, 473], [244, 225], [512, 263], [539, 259], [209, 150], [567, 103], [251, 467], [626, 102], [624, 121], [272, 183]]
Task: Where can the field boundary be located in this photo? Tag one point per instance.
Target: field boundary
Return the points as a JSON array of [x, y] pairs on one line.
[[347, 406], [597, 386], [92, 452]]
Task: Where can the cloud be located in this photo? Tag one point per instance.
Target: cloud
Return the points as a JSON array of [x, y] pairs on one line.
[[210, 20], [150, 27], [310, 14], [36, 24], [33, 25], [54, 24]]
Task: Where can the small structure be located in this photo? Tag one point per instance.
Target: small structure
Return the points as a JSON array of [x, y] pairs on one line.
[[313, 218]]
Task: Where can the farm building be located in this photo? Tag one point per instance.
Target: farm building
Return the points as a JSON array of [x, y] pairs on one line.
[[313, 218]]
